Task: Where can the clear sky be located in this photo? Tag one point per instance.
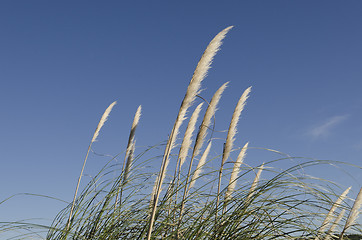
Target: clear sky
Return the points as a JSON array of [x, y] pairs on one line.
[[63, 62]]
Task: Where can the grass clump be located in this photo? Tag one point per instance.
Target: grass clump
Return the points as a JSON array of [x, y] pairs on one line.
[[200, 201]]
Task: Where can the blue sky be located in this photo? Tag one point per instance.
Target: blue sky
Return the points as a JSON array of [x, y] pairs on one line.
[[63, 62]]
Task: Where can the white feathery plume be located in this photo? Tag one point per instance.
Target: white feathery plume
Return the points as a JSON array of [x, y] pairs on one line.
[[233, 124], [129, 161], [102, 121], [210, 112], [235, 172], [255, 183], [130, 149], [329, 216], [352, 217], [200, 165], [131, 142], [230, 137], [95, 135], [186, 142], [194, 86], [192, 90], [335, 224]]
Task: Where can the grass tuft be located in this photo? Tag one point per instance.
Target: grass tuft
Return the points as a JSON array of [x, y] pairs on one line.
[[238, 202]]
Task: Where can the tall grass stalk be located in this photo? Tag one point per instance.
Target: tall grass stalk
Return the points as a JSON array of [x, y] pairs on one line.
[[284, 204], [186, 143], [129, 153], [234, 174], [95, 135], [209, 114], [230, 138], [192, 90]]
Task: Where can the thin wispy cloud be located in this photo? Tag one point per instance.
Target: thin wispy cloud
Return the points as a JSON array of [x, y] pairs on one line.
[[324, 129]]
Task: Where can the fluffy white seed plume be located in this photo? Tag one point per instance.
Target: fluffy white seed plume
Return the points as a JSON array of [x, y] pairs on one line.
[[102, 121], [130, 157], [255, 183], [200, 164], [129, 154], [194, 86], [95, 135], [354, 213], [131, 141], [233, 124], [235, 172], [329, 216], [188, 135], [335, 224], [230, 137], [210, 112], [192, 90]]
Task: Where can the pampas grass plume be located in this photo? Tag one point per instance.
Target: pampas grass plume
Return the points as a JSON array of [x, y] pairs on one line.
[[329, 216], [186, 142], [235, 172], [131, 143], [255, 183], [200, 164], [352, 217], [102, 121], [95, 135], [192, 90], [210, 112], [335, 224], [233, 124]]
